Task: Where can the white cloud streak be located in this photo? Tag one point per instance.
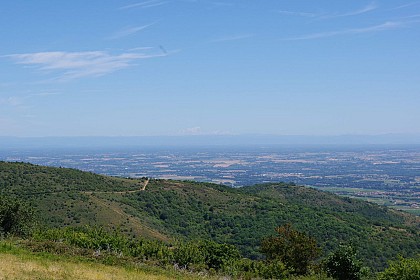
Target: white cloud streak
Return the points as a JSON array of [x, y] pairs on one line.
[[129, 31], [291, 13], [73, 65], [13, 101], [366, 9], [376, 28], [45, 94], [144, 4], [20, 102], [410, 17], [141, 49], [232, 38], [370, 7], [191, 131], [406, 5]]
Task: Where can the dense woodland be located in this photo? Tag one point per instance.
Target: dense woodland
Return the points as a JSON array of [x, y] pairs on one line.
[[239, 232]]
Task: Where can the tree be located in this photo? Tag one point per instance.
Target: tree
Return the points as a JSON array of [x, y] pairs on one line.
[[295, 249], [343, 264], [16, 218], [402, 269], [218, 255]]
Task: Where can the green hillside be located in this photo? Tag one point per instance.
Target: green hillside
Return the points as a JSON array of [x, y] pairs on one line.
[[17, 263], [168, 210]]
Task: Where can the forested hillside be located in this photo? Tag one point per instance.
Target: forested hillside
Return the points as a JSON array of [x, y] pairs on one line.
[[169, 210]]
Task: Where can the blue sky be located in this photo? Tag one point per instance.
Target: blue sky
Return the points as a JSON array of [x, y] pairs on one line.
[[196, 67]]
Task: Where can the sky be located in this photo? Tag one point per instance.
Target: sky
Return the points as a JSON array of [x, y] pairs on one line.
[[209, 67]]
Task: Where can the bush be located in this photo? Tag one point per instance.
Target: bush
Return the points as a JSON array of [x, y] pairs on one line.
[[293, 248], [187, 255], [343, 264], [205, 254], [197, 255], [16, 217], [251, 269], [218, 255], [402, 269], [114, 243]]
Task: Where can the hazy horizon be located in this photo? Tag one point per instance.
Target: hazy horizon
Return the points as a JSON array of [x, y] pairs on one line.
[[207, 67], [244, 140]]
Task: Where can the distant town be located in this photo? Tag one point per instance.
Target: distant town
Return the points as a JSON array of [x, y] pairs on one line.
[[387, 175]]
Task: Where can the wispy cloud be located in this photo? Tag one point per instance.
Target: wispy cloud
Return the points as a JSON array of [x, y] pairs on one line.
[[129, 31], [292, 13], [20, 101], [375, 28], [72, 65], [13, 101], [372, 6], [140, 49], [45, 94], [144, 4], [219, 4], [406, 5], [197, 131], [191, 131], [411, 16], [232, 38]]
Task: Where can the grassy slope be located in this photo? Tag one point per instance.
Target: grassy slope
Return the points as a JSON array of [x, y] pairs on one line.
[[19, 264], [168, 209], [71, 197], [22, 267]]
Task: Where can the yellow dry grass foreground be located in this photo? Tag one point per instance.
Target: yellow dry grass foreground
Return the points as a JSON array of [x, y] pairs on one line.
[[25, 268]]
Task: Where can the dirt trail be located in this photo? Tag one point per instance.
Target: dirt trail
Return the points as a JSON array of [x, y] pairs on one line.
[[114, 208], [133, 191], [143, 188], [145, 184], [134, 221]]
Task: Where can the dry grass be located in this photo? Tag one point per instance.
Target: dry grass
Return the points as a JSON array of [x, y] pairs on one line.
[[29, 268]]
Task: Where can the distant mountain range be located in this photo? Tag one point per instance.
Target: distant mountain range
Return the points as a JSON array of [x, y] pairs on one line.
[[206, 140]]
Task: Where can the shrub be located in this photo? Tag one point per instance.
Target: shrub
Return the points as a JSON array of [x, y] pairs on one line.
[[252, 269], [343, 264], [187, 255], [205, 254], [97, 238], [402, 269], [16, 217], [217, 255], [293, 248]]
